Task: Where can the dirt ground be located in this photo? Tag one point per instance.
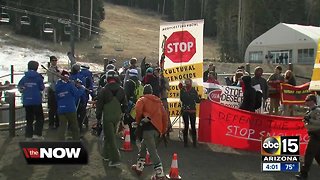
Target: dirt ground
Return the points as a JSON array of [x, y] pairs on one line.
[[205, 162]]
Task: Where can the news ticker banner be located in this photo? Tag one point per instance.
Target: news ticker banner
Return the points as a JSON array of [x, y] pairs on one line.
[[315, 79], [70, 152], [280, 154], [219, 124], [294, 94], [182, 44]]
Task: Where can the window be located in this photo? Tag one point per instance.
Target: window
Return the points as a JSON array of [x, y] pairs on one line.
[[305, 56], [255, 57]]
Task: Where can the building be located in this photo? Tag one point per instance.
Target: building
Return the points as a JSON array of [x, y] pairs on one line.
[[283, 44]]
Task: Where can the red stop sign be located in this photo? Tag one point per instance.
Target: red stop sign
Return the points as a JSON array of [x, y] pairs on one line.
[[180, 47]]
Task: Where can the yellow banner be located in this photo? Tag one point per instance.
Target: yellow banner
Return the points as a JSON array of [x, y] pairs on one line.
[[315, 79], [179, 73], [175, 108], [174, 91]]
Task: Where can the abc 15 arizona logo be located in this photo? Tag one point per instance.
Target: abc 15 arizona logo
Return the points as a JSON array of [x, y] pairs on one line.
[[280, 145]]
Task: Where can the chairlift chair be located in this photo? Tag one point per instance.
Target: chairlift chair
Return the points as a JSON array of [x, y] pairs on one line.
[[48, 28], [67, 29], [25, 20], [4, 17]]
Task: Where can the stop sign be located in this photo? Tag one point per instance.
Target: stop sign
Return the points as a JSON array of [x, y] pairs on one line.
[[180, 47]]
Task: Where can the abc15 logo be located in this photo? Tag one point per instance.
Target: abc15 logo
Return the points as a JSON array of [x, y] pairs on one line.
[[280, 145]]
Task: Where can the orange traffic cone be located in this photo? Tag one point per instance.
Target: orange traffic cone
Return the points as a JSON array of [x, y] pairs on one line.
[[127, 144], [174, 172], [148, 161]]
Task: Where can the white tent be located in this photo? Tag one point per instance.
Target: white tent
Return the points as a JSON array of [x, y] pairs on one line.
[[285, 43]]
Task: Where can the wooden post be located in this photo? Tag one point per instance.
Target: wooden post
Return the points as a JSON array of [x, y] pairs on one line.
[[12, 74], [12, 113], [248, 68], [290, 67]]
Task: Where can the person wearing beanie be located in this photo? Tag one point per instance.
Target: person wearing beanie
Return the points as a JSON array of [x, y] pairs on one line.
[[31, 85], [152, 118], [88, 83], [52, 102], [189, 97], [249, 94], [67, 93], [76, 76], [134, 90], [102, 79], [111, 104], [133, 65]]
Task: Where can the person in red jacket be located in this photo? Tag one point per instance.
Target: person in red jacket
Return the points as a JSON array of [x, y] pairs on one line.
[[152, 118]]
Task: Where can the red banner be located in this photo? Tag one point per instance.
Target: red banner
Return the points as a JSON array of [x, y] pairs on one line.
[[294, 94], [240, 129]]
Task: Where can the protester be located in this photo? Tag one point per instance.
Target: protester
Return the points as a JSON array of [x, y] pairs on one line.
[[236, 78], [52, 102], [133, 65], [156, 82], [312, 124], [274, 90], [249, 94], [212, 78], [67, 93], [189, 97], [151, 117], [243, 70], [257, 79], [206, 73], [164, 88], [289, 79], [133, 89], [31, 86], [111, 104]]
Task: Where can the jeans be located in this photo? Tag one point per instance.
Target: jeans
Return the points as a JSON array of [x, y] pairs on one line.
[[34, 112]]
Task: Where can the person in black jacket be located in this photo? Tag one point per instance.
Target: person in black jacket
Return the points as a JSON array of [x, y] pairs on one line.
[[249, 94], [189, 97]]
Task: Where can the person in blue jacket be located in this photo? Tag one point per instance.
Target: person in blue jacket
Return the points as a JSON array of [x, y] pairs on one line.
[[31, 86], [88, 83], [81, 105], [67, 93]]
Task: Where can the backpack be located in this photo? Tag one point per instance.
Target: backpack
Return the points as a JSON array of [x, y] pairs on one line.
[[138, 91], [258, 100]]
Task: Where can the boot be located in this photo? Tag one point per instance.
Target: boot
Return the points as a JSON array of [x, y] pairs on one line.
[[185, 138], [159, 174], [138, 168], [194, 138]]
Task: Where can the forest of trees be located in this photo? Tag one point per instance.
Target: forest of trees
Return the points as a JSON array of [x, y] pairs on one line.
[[233, 23]]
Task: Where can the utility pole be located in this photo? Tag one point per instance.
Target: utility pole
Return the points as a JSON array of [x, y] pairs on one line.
[[163, 7], [185, 10], [239, 30], [91, 9], [72, 30], [79, 19]]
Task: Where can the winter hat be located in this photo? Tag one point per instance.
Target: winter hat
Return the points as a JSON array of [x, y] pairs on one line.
[[110, 67], [133, 72], [147, 89], [75, 68], [149, 70], [33, 65], [65, 73]]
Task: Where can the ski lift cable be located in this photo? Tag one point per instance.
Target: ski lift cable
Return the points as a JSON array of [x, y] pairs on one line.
[[52, 17], [49, 10], [57, 18], [48, 16]]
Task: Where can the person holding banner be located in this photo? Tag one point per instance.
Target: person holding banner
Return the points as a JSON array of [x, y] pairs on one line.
[[249, 94], [189, 97], [312, 124], [289, 79], [274, 90]]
